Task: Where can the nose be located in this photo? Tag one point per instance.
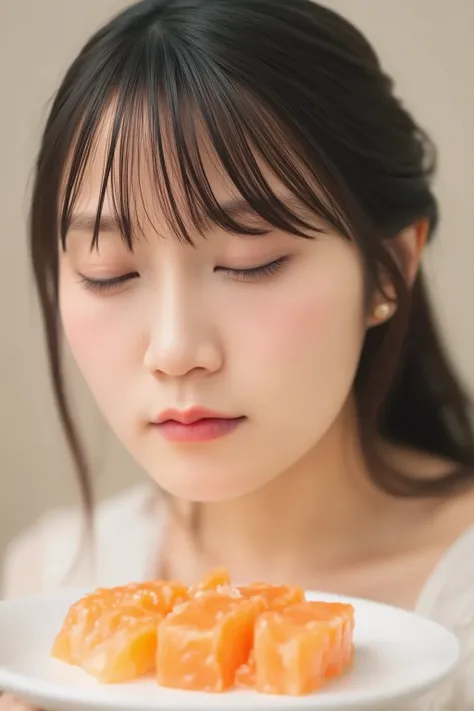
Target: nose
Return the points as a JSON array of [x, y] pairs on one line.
[[182, 337]]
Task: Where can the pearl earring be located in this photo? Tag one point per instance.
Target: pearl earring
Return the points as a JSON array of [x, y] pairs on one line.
[[382, 311]]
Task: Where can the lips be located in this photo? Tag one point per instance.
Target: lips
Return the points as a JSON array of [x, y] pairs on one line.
[[191, 416], [195, 425]]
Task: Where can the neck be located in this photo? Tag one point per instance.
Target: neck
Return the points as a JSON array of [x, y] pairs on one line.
[[321, 516], [323, 509]]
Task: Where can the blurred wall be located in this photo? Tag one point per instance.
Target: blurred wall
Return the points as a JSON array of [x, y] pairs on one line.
[[425, 44]]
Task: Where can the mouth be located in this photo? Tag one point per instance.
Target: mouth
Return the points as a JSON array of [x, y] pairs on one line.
[[196, 425]]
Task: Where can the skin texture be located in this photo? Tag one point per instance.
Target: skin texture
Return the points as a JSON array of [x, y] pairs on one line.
[[279, 350]]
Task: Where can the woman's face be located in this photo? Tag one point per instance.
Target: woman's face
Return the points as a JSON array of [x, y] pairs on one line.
[[263, 331]]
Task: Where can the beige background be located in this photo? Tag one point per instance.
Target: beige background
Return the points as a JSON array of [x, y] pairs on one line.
[[426, 45]]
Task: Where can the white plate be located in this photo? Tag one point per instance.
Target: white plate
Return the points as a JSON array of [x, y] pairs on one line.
[[398, 656]]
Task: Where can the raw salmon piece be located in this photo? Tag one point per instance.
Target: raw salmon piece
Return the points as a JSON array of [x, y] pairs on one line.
[[245, 674], [298, 649], [123, 645], [274, 597], [79, 622], [214, 580], [84, 617], [204, 641], [340, 618], [155, 596]]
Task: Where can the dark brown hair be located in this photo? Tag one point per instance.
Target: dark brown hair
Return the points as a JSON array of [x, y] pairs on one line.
[[294, 82]]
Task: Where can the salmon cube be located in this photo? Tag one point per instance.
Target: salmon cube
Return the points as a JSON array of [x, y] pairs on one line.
[[298, 649], [123, 646], [204, 641], [107, 625], [341, 621], [273, 597], [156, 596], [245, 674], [214, 580]]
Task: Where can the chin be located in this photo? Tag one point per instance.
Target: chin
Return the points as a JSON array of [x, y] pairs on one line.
[[204, 489]]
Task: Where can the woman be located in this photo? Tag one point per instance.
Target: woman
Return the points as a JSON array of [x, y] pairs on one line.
[[229, 215]]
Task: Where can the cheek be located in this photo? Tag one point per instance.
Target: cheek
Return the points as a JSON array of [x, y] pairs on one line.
[[86, 337], [98, 336], [303, 352], [312, 323]]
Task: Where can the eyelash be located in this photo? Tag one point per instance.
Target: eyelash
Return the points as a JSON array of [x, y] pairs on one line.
[[107, 284], [265, 270]]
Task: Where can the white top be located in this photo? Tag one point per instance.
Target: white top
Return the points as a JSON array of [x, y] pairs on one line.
[[127, 544]]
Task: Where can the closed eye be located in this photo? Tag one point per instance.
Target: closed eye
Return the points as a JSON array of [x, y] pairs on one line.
[[249, 274], [255, 273], [107, 284]]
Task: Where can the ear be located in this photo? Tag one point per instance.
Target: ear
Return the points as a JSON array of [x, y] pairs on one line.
[[407, 250]]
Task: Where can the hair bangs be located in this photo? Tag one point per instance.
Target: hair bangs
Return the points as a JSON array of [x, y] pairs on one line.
[[163, 124]]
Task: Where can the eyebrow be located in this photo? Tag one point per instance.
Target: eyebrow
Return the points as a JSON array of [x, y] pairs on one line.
[[235, 208], [86, 221]]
